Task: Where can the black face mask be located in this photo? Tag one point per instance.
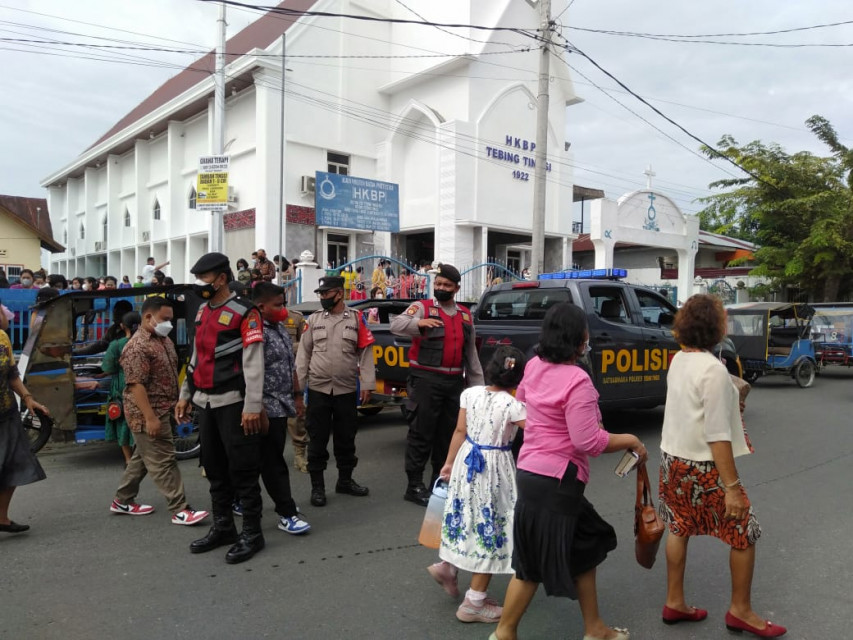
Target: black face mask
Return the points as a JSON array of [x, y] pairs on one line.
[[205, 291], [328, 303], [443, 296], [262, 259]]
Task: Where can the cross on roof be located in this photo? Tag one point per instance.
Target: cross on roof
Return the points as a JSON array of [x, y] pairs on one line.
[[649, 175]]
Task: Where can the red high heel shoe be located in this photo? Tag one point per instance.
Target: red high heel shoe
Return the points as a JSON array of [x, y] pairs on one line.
[[771, 630], [674, 616]]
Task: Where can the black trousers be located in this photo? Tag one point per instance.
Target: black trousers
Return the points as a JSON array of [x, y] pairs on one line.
[[335, 416], [274, 470], [231, 459], [434, 403]]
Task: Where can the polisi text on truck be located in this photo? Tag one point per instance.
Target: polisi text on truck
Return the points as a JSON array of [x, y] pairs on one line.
[[636, 360], [391, 355]]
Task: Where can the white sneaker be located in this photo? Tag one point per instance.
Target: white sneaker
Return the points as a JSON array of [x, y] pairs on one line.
[[294, 525], [131, 508], [189, 517]]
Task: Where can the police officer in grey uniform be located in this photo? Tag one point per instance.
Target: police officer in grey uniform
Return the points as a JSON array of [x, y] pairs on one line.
[[331, 362]]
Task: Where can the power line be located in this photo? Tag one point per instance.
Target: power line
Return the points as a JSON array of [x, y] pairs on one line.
[[711, 149], [260, 55], [364, 18], [653, 126], [712, 35], [772, 45], [456, 35]]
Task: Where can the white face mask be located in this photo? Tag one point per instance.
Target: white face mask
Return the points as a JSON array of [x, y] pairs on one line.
[[163, 329], [26, 282]]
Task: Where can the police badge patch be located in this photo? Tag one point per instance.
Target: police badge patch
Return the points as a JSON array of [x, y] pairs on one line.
[[412, 310], [433, 312], [226, 317]]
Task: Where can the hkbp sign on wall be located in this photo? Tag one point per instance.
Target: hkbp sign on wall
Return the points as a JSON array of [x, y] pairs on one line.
[[356, 203], [212, 184]]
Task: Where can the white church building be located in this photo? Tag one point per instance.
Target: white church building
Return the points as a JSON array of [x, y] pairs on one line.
[[369, 99]]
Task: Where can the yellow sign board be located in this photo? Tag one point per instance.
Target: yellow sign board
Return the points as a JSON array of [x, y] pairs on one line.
[[212, 183]]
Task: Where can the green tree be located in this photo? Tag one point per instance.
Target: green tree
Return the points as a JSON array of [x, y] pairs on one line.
[[798, 208]]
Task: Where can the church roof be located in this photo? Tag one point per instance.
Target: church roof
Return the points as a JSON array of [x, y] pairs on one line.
[[260, 34]]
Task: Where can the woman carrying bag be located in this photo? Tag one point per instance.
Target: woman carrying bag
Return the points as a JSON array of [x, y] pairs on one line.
[[700, 490], [559, 539]]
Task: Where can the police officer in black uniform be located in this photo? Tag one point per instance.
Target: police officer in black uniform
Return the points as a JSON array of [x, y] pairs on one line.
[[225, 381], [442, 359]]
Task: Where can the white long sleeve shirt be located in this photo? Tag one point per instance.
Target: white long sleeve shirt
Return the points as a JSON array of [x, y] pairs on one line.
[[702, 406]]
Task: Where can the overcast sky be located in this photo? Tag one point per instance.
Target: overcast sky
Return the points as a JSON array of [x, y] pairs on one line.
[[57, 105]]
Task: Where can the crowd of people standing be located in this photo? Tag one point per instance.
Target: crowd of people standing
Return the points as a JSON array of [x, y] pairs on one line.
[[528, 516]]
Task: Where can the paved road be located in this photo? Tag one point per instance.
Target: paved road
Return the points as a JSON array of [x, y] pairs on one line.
[[82, 572]]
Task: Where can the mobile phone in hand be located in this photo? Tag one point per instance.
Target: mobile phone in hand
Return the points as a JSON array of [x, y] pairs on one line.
[[627, 464]]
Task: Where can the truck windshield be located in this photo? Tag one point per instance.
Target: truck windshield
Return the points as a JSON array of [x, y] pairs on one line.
[[520, 304]]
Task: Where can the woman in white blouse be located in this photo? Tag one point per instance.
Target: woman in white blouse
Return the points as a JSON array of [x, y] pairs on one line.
[[700, 490]]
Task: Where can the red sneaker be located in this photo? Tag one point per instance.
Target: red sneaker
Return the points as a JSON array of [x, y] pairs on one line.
[[189, 517], [131, 508]]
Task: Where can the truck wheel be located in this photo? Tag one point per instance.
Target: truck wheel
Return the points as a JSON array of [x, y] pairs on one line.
[[38, 427], [369, 411], [804, 373]]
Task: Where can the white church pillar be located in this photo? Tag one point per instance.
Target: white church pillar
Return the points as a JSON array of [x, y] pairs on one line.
[[454, 243], [687, 258], [602, 231], [268, 133]]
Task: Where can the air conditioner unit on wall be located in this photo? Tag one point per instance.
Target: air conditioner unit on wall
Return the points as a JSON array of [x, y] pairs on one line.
[[100, 246], [146, 236], [232, 195], [307, 184]]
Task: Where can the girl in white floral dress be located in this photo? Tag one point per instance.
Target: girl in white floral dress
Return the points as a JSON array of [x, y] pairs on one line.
[[476, 533]]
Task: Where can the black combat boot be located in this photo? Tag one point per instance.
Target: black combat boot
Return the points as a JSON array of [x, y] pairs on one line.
[[347, 485], [318, 489], [221, 533], [251, 541], [416, 491]]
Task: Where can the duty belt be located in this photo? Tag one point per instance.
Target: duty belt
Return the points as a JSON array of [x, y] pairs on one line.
[[450, 371]]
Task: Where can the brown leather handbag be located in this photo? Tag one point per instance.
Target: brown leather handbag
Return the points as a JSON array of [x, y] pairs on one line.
[[648, 527]]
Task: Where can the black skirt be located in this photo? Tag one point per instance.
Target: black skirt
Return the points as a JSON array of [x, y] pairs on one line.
[[18, 465], [557, 533]]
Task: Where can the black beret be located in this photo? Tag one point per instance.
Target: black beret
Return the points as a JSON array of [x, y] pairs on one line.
[[211, 262], [330, 282], [450, 272]]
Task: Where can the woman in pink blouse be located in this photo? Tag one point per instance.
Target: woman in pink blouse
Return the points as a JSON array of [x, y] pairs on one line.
[[559, 539]]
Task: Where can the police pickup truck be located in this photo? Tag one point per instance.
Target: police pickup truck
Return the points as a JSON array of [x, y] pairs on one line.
[[630, 330]]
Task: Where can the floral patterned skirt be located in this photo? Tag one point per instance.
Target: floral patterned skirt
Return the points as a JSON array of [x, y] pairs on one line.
[[693, 503], [476, 534]]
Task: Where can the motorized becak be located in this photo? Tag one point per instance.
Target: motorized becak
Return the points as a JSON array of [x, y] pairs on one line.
[[61, 360], [774, 338], [832, 332]]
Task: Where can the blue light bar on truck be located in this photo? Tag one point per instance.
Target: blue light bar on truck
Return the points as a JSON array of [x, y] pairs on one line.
[[586, 274]]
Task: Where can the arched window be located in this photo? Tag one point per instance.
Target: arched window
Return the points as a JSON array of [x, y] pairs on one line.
[[156, 209], [193, 197], [126, 217], [82, 231]]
